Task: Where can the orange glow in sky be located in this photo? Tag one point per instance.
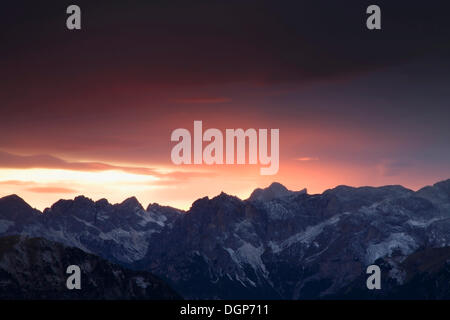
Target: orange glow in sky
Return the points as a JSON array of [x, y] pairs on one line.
[[42, 187]]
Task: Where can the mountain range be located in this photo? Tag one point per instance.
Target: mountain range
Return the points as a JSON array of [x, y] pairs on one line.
[[277, 244]]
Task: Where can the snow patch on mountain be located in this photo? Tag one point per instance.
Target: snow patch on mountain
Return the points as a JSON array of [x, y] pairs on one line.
[[421, 223], [249, 254], [243, 281], [396, 241], [152, 217], [134, 243], [86, 223], [276, 211], [307, 236], [61, 235]]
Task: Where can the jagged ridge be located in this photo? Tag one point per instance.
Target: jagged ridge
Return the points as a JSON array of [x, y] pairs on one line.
[[276, 244]]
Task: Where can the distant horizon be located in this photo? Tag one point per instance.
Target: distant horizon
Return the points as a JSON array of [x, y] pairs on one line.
[[211, 197]]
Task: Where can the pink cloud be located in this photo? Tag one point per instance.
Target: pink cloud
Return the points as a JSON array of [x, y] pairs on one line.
[[51, 190], [307, 159], [13, 161]]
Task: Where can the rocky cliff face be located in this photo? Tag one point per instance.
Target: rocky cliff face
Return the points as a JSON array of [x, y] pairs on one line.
[[276, 244], [120, 232], [35, 268]]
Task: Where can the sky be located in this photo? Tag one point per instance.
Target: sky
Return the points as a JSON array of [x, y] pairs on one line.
[[91, 111]]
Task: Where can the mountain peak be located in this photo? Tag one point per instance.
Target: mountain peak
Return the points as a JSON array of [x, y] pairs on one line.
[[274, 191], [14, 200], [14, 207], [12, 197], [223, 195], [444, 185], [102, 202], [81, 198], [439, 192], [131, 202], [277, 186], [155, 206]]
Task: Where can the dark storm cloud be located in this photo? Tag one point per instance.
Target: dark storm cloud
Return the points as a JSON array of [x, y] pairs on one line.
[[124, 81], [172, 43]]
